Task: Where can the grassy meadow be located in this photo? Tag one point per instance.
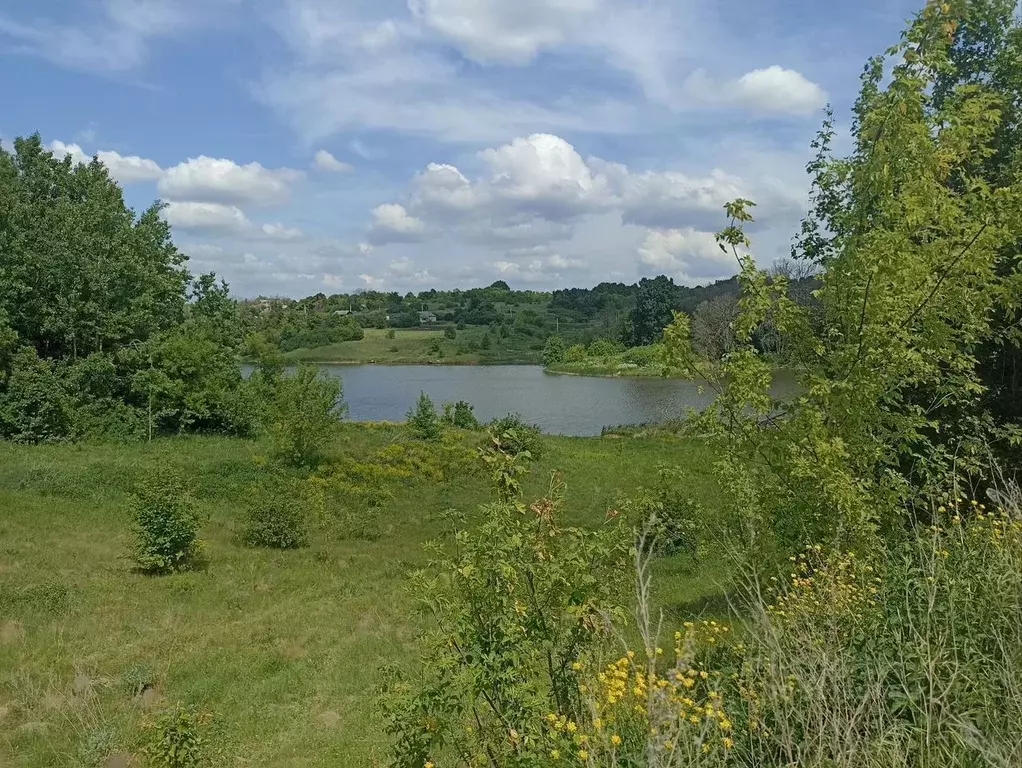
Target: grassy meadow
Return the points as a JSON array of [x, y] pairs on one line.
[[424, 346], [283, 648]]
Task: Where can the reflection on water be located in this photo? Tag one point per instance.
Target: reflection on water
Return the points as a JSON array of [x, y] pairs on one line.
[[562, 405]]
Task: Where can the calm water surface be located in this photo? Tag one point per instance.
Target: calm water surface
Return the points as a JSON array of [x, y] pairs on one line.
[[561, 405]]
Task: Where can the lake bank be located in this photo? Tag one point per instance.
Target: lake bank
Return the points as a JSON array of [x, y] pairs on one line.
[[417, 346], [569, 405]]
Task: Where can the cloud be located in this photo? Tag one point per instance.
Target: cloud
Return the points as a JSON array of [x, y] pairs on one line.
[[280, 232], [347, 73], [325, 161], [687, 254], [130, 169], [213, 180], [115, 38], [773, 90], [559, 262], [206, 217], [125, 170], [534, 189], [60, 150], [499, 31], [392, 223], [776, 89]]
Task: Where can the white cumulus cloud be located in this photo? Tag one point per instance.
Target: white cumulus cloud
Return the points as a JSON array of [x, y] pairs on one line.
[[776, 89], [687, 254], [130, 169], [325, 161], [772, 90], [218, 180], [392, 223], [209, 217]]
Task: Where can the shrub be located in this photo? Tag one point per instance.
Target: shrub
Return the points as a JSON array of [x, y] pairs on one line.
[[517, 435], [33, 405], [175, 739], [485, 344], [450, 332], [391, 333], [554, 350], [520, 600], [277, 515], [461, 415], [604, 348], [304, 415], [166, 524], [576, 353], [423, 419], [641, 356], [675, 522]]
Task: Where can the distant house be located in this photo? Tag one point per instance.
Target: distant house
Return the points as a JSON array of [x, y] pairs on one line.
[[426, 317], [343, 312]]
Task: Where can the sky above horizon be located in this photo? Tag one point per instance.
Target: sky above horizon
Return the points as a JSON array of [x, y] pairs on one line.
[[307, 146]]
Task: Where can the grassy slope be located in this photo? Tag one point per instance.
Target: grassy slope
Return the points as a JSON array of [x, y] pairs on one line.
[[411, 346], [283, 647]]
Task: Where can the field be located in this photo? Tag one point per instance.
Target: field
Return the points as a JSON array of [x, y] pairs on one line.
[[283, 648], [415, 346]]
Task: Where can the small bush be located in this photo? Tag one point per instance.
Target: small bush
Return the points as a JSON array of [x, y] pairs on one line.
[[391, 333], [166, 524], [423, 419], [575, 354], [304, 414], [517, 435], [673, 520], [277, 515], [486, 341], [450, 333], [461, 415], [175, 739], [604, 348], [554, 350], [641, 356]]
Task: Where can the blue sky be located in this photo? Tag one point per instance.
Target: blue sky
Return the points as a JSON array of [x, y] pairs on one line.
[[332, 145]]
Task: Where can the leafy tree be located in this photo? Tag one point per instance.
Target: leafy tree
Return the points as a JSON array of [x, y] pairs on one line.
[[423, 419], [553, 351], [304, 415], [911, 242], [712, 334], [655, 301], [166, 522]]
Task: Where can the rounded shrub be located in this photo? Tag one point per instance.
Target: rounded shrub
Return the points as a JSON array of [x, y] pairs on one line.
[[277, 515], [166, 523]]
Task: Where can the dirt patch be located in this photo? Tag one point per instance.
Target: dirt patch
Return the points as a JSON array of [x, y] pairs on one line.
[[120, 760], [82, 685], [329, 719], [151, 699], [11, 632]]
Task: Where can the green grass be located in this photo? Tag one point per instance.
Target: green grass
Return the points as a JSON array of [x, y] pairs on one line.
[[283, 647], [414, 346]]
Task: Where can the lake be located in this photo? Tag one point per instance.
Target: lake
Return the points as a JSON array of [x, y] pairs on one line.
[[561, 405]]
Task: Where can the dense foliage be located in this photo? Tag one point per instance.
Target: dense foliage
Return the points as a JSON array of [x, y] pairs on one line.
[[879, 605], [102, 330]]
